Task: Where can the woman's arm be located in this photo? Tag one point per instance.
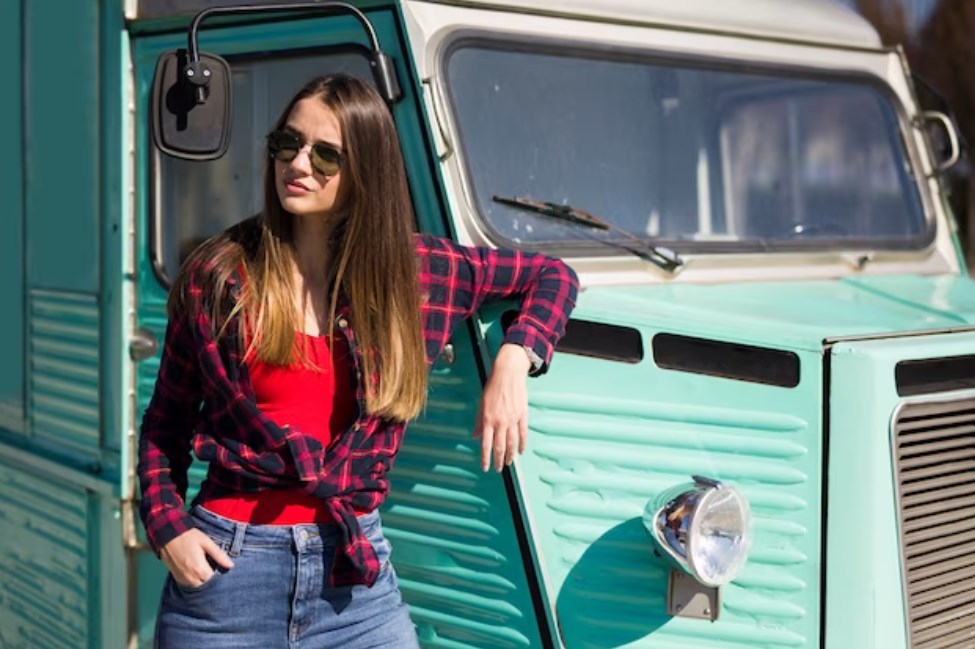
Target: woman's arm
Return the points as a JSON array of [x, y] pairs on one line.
[[164, 440], [164, 460], [458, 280]]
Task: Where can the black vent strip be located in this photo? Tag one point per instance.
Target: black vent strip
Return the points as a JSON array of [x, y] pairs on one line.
[[726, 360], [595, 339], [933, 375]]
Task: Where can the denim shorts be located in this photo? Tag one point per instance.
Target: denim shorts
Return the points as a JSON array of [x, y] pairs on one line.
[[277, 595]]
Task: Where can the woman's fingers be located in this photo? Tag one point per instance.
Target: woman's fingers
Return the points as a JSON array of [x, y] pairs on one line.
[[500, 444], [487, 445], [512, 444], [502, 419], [216, 553], [186, 557], [522, 434]]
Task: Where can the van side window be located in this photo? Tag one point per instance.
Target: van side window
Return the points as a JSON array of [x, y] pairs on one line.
[[195, 200]]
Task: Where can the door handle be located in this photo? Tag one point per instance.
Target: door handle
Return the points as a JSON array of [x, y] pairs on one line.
[[143, 345]]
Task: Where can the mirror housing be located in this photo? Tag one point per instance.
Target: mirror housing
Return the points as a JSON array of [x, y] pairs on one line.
[[191, 105], [942, 137]]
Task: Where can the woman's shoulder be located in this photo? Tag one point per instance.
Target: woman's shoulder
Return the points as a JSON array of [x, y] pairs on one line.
[[425, 243], [213, 266], [214, 253]]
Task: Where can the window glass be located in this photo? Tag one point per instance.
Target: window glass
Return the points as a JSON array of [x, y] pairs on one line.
[[198, 199], [690, 156]]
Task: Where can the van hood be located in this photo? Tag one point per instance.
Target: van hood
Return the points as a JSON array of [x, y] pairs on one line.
[[791, 314]]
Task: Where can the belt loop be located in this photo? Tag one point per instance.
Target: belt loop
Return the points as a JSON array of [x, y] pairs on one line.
[[238, 542]]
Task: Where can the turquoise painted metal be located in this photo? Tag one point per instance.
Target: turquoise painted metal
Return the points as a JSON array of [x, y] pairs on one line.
[[608, 437], [551, 554], [12, 243], [864, 571], [798, 314], [63, 567]]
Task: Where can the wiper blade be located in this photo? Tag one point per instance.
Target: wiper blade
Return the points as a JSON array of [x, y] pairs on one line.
[[659, 256]]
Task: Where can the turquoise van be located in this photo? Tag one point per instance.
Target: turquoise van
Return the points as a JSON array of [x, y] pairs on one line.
[[759, 430]]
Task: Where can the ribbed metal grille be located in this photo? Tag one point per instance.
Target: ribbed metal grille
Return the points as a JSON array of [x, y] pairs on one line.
[[935, 451]]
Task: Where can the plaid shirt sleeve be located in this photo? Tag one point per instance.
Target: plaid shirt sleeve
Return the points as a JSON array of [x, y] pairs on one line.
[[164, 441], [459, 279]]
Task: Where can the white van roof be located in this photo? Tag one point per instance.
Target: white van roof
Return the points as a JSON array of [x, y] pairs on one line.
[[818, 21]]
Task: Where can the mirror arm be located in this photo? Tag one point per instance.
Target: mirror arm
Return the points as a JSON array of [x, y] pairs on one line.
[[381, 63]]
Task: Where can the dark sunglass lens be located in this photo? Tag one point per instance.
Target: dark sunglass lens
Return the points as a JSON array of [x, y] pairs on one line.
[[283, 146], [327, 160]]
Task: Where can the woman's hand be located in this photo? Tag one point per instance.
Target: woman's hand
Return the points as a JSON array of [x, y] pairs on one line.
[[502, 420], [186, 557]]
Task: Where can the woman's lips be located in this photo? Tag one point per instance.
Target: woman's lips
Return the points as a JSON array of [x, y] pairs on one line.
[[295, 187]]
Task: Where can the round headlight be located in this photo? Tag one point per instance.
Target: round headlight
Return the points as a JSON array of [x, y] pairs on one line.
[[705, 528], [719, 537]]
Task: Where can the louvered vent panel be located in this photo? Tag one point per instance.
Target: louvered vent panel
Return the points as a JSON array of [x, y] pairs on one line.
[[935, 453]]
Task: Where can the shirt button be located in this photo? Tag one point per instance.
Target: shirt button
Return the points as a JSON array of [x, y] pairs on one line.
[[343, 323]]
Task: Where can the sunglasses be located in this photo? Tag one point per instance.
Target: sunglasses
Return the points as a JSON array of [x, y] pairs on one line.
[[284, 146]]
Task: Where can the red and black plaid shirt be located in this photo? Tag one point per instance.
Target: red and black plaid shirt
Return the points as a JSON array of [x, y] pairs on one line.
[[248, 452]]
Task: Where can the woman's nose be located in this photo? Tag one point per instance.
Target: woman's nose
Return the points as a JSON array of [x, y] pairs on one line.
[[302, 160]]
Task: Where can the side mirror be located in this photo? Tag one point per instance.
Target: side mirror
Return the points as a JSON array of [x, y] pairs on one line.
[[191, 92], [942, 138], [191, 106]]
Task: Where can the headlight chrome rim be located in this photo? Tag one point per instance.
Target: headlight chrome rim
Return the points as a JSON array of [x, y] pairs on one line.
[[676, 520]]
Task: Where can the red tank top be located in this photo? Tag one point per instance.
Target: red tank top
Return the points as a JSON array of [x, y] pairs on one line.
[[321, 402]]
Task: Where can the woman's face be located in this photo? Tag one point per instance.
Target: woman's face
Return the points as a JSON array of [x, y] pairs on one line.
[[303, 190]]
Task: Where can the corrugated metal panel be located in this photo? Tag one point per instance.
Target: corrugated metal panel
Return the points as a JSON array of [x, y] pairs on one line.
[[934, 445], [595, 461], [63, 357], [44, 572], [455, 548]]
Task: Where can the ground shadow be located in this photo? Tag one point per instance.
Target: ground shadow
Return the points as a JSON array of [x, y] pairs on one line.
[[615, 593]]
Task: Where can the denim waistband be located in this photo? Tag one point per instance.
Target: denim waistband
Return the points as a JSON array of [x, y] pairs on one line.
[[237, 533]]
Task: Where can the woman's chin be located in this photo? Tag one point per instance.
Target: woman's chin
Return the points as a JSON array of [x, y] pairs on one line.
[[299, 206]]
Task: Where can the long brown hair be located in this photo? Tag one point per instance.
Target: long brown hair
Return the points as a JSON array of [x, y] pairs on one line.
[[373, 263]]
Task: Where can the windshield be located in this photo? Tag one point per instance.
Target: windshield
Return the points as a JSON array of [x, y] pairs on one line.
[[694, 157]]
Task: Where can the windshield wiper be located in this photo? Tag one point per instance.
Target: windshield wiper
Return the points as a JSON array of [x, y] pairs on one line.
[[661, 257]]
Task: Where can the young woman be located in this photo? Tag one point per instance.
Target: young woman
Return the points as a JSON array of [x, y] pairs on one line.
[[298, 347]]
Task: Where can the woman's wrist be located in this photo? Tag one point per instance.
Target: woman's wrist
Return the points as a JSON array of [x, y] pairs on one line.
[[515, 357]]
